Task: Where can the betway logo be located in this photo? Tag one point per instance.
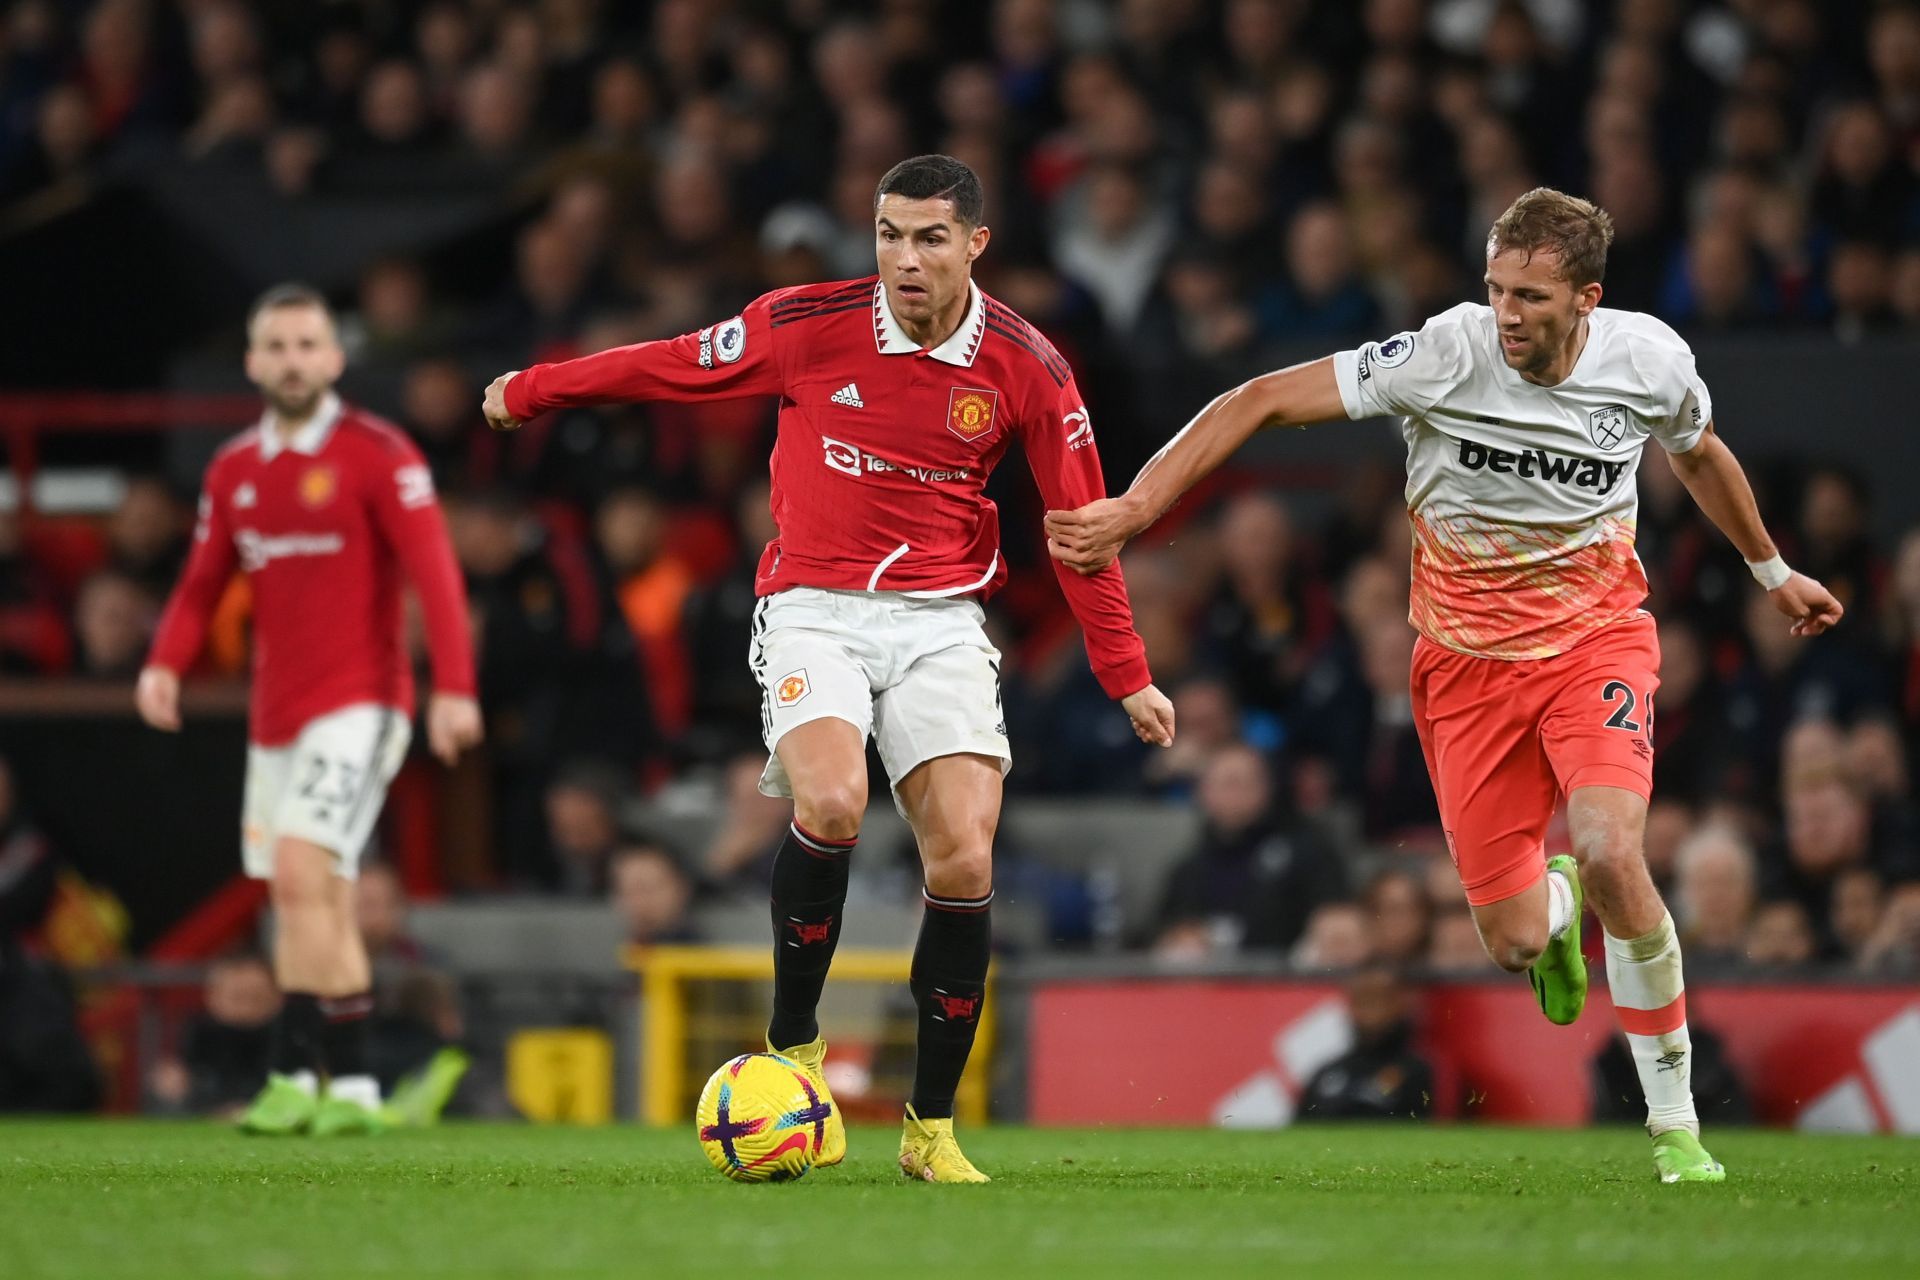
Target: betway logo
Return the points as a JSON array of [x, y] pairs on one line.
[[852, 461], [257, 550], [1580, 473]]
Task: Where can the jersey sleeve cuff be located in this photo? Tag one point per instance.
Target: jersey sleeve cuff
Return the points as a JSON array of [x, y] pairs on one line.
[[1685, 443], [519, 395], [1346, 374], [1127, 677]]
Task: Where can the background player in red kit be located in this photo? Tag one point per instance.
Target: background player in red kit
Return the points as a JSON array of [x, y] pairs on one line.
[[1536, 667], [324, 507], [898, 395]]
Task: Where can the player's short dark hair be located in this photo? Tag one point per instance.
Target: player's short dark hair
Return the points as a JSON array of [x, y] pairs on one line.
[[291, 293], [1574, 230], [936, 178]]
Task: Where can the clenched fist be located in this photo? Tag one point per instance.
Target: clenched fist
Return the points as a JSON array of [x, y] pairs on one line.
[[494, 404]]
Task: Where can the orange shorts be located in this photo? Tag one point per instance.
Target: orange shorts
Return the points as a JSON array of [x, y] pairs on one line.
[[1505, 740]]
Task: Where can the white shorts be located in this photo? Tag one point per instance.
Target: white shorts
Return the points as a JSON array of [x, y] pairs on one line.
[[918, 675], [326, 786]]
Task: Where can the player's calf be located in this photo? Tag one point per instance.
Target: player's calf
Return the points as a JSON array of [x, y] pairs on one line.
[[1607, 826], [306, 924], [810, 874]]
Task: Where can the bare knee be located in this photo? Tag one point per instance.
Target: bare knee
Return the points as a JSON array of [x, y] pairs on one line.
[[1516, 953], [1514, 939], [832, 810], [302, 877], [959, 864]]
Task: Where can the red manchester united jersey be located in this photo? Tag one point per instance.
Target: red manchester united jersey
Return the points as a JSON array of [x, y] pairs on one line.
[[323, 525], [884, 447]]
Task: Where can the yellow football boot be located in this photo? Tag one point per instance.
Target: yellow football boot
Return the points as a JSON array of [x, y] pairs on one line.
[[929, 1152], [812, 1058]]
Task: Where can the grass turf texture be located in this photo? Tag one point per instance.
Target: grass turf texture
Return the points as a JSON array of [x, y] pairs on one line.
[[157, 1200]]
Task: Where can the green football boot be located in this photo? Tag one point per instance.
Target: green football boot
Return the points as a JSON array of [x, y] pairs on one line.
[[1559, 976], [279, 1109], [345, 1118], [419, 1098], [1679, 1157]]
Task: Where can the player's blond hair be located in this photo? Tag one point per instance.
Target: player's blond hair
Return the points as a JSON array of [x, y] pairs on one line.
[[1575, 231]]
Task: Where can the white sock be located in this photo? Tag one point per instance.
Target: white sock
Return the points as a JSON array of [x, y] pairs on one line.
[[1649, 997], [364, 1090], [309, 1083], [1559, 904]]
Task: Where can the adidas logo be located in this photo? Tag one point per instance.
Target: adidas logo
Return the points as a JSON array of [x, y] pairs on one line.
[[849, 396]]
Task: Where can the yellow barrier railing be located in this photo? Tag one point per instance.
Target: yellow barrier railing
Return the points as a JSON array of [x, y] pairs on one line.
[[668, 1082]]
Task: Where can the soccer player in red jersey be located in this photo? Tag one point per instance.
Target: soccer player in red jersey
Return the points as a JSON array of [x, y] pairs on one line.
[[898, 395], [1535, 669], [326, 509]]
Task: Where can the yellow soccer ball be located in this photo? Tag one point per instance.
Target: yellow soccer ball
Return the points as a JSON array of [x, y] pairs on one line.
[[761, 1119]]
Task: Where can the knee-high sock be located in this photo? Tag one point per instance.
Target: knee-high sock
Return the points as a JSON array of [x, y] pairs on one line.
[[293, 1045], [809, 894], [1649, 997], [343, 1048], [949, 988]]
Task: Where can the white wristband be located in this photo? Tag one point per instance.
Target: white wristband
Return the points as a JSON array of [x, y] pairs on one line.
[[1771, 574]]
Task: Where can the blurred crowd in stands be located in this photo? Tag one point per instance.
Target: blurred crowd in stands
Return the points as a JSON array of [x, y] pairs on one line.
[[1176, 189], [1176, 178]]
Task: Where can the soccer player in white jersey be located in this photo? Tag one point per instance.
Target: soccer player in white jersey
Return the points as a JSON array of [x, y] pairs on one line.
[[1536, 666]]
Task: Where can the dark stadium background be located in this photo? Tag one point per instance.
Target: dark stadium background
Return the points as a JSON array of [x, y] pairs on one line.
[[1182, 194]]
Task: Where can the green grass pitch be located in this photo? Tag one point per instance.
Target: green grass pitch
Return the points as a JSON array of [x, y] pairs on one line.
[[147, 1201]]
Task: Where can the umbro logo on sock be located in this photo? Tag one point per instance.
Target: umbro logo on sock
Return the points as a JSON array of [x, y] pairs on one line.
[[849, 396]]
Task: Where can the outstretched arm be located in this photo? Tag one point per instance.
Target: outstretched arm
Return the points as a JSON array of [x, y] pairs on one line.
[[1089, 538], [724, 361], [1713, 476]]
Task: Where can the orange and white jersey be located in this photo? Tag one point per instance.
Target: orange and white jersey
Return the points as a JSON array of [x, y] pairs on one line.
[[1522, 497]]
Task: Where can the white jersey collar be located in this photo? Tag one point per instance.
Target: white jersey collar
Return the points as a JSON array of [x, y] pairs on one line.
[[309, 439], [960, 349]]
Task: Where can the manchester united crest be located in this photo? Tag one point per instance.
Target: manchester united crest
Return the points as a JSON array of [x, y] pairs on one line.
[[791, 688], [318, 485], [970, 412]]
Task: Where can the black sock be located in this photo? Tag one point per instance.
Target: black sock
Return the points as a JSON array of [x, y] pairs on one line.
[[809, 893], [949, 987], [294, 1043], [343, 1034]]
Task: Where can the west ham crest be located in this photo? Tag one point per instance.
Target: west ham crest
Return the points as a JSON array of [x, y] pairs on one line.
[[1608, 426]]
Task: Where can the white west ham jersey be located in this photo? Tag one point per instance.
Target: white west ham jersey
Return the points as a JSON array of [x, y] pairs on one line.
[[1522, 497]]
